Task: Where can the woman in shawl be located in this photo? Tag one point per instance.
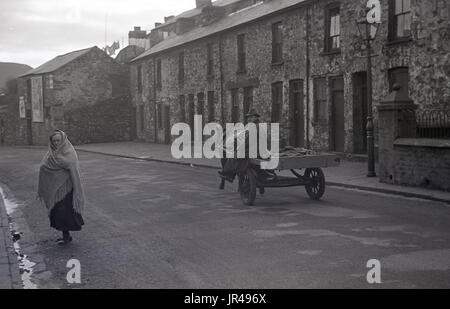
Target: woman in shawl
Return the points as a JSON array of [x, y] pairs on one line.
[[60, 186]]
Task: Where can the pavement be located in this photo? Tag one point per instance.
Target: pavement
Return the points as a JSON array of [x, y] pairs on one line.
[[349, 174], [9, 265]]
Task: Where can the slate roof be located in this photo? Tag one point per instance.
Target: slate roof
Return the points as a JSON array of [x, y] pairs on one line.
[[57, 62], [196, 11], [232, 20]]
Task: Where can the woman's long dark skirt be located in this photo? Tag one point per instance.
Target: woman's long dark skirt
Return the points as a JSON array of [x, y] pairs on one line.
[[64, 218]]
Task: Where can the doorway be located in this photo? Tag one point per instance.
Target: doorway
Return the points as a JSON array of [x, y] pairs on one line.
[[296, 113], [166, 112], [337, 121], [2, 131]]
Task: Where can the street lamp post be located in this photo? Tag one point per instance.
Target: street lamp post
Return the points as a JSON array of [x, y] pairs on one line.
[[368, 32]]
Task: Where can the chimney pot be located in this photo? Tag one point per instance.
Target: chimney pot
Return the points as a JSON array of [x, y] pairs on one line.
[[202, 3]]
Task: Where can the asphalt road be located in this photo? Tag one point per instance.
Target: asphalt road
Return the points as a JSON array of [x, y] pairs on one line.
[[155, 225]]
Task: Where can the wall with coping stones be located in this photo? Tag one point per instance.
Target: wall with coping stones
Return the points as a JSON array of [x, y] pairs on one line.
[[427, 55], [420, 166], [9, 116], [100, 123]]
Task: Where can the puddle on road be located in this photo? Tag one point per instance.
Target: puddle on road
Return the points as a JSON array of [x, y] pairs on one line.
[[25, 265], [367, 241], [9, 205]]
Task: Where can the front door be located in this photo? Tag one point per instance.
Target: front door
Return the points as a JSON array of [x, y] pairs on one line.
[[296, 116], [2, 131], [133, 131], [167, 130], [29, 127], [359, 112], [337, 134], [191, 113]]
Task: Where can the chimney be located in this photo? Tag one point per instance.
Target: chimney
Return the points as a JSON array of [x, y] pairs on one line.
[[157, 25], [199, 4], [137, 37], [167, 18], [184, 25], [211, 14]]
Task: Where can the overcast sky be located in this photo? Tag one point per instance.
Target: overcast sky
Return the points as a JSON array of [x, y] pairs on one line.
[[35, 31]]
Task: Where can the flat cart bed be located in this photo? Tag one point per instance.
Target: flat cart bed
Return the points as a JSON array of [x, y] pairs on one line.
[[313, 178], [303, 161]]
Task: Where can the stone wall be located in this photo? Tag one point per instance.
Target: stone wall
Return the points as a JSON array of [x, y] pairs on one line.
[[9, 129], [420, 162], [105, 121]]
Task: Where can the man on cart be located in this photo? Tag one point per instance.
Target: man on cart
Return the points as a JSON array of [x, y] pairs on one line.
[[233, 166]]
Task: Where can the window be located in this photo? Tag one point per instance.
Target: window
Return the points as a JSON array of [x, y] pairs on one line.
[[333, 29], [211, 107], [277, 101], [400, 19], [158, 73], [241, 52], [139, 78], [50, 81], [234, 106], [248, 99], [320, 99], [399, 76], [277, 43], [181, 67], [210, 59], [182, 108]]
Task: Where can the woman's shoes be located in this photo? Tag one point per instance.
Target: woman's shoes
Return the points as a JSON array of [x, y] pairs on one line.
[[65, 240]]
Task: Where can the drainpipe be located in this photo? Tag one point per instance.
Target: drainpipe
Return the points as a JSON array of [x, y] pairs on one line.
[[155, 127], [222, 101], [308, 73]]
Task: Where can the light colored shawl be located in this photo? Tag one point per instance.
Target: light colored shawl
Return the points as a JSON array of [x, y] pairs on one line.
[[59, 174]]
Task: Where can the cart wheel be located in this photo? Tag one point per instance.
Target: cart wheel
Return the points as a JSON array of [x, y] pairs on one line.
[[316, 188], [247, 187]]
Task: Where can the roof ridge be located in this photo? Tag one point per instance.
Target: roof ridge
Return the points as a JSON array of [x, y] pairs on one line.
[[47, 67], [75, 51]]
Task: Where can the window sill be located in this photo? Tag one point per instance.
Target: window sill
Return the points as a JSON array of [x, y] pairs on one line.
[[399, 41], [278, 63], [331, 53]]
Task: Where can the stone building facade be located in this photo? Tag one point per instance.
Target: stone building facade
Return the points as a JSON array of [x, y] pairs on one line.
[[87, 83], [297, 62]]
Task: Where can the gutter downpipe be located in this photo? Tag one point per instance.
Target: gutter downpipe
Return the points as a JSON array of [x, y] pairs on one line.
[[155, 127], [222, 102]]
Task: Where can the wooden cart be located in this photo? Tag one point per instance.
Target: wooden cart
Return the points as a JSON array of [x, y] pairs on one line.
[[313, 178]]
